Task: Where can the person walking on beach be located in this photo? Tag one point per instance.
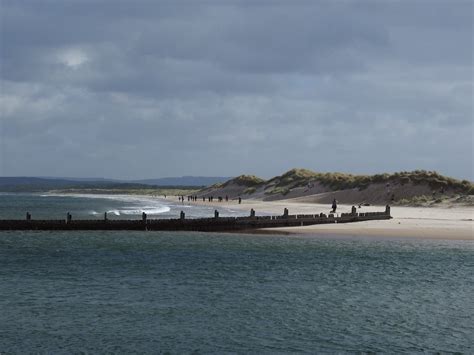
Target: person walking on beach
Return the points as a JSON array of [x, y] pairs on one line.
[[240, 200], [334, 205]]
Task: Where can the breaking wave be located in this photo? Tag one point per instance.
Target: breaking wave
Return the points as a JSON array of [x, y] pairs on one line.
[[147, 210], [152, 210]]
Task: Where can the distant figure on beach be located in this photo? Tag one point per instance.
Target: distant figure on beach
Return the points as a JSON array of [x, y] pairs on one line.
[[226, 198], [334, 205], [240, 200]]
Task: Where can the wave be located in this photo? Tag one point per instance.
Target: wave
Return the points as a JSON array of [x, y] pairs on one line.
[[137, 204], [147, 210], [126, 198], [134, 211], [115, 212]]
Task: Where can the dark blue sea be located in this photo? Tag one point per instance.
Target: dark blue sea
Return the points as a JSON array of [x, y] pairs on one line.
[[162, 292]]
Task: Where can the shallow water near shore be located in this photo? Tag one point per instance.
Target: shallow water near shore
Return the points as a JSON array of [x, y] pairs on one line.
[[143, 292], [93, 206]]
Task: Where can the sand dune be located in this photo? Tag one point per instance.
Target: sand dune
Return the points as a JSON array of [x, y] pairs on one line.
[[414, 188]]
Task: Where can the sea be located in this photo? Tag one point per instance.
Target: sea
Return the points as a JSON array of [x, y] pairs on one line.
[[112, 292]]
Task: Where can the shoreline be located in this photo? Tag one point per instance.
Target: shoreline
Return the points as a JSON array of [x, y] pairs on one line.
[[441, 223]]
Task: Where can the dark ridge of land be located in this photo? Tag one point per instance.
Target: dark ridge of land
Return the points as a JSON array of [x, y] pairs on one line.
[[184, 181], [41, 184], [32, 184]]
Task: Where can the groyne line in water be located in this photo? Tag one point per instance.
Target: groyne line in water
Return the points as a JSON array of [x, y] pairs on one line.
[[215, 224]]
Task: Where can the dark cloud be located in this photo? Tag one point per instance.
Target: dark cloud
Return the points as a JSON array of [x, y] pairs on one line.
[[147, 88]]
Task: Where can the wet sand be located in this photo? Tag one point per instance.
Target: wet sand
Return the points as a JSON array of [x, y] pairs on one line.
[[417, 222]]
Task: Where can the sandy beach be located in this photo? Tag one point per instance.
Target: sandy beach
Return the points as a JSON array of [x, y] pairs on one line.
[[455, 223]]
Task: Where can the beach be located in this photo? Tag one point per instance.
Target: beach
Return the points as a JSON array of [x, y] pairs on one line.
[[452, 222], [446, 222]]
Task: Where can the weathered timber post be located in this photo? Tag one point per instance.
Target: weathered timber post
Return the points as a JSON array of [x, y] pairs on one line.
[[354, 210], [285, 212], [144, 217], [28, 216], [105, 216], [387, 210], [252, 213], [68, 218], [216, 214], [182, 216]]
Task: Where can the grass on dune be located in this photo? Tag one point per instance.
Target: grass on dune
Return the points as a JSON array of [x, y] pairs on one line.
[[340, 181]]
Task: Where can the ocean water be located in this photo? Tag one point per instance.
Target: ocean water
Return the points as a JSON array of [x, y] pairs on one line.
[[82, 206], [152, 292]]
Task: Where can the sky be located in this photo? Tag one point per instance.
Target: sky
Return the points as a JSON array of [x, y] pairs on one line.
[[145, 89]]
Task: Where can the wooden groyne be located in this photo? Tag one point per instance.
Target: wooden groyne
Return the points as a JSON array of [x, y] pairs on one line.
[[215, 224]]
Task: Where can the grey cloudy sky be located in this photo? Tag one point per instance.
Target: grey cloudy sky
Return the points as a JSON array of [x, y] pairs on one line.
[[136, 89]]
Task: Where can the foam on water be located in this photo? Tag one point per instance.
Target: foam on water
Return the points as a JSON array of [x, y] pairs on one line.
[[147, 204], [115, 212], [149, 210]]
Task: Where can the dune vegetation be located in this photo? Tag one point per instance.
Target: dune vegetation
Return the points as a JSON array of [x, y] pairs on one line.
[[341, 181], [419, 187], [245, 180]]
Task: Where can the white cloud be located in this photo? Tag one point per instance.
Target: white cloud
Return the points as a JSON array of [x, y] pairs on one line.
[[72, 57]]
